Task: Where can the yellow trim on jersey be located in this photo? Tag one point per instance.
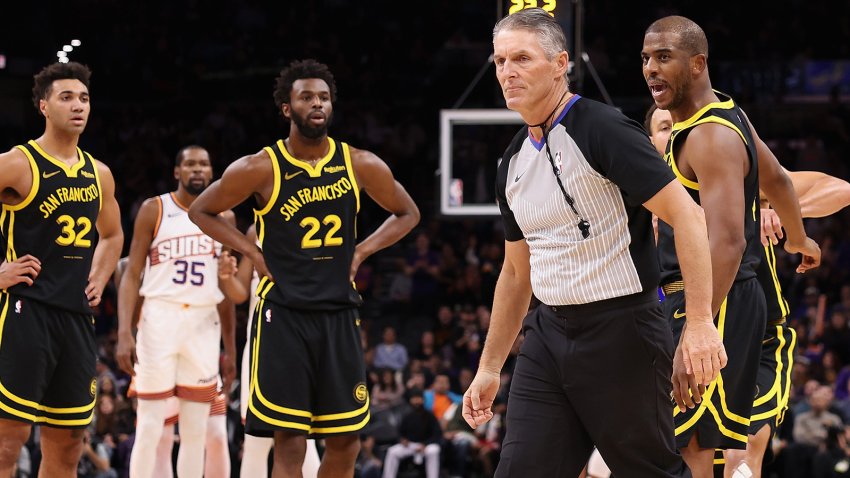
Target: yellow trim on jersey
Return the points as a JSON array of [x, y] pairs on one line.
[[36, 181], [97, 180], [721, 105], [255, 391], [255, 387], [4, 296], [681, 177], [770, 255], [263, 287], [783, 403], [721, 393], [688, 183], [343, 429], [724, 122], [261, 228], [313, 170], [775, 388], [11, 254], [7, 253], [343, 415], [346, 153], [70, 171], [729, 433], [716, 385]]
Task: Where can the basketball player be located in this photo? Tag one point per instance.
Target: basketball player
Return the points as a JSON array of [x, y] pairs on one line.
[[217, 456], [239, 284], [179, 334], [59, 206], [819, 195], [709, 125], [307, 372]]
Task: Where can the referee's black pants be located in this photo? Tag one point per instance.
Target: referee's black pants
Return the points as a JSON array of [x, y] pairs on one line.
[[593, 374]]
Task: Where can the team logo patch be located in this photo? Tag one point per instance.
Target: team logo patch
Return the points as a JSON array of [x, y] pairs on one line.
[[360, 392], [93, 387]]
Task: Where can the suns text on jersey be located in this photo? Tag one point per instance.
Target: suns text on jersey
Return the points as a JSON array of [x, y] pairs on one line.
[[72, 194], [304, 196], [183, 246]]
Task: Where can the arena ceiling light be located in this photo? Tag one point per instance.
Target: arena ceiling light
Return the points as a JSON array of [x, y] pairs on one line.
[[62, 55]]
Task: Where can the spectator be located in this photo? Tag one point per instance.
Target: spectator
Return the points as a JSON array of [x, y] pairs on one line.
[[810, 432], [389, 353], [368, 465], [439, 397], [420, 436], [95, 462], [388, 393]]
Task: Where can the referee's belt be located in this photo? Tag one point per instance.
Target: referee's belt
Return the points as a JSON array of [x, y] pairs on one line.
[[672, 287]]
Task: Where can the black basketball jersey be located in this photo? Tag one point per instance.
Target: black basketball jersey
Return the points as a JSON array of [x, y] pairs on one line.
[[56, 223], [308, 230], [726, 113], [777, 306]]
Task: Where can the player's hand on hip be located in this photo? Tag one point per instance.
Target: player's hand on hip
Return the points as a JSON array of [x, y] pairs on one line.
[[702, 350], [810, 251], [125, 353], [771, 227], [356, 260], [260, 264], [23, 269], [478, 399]]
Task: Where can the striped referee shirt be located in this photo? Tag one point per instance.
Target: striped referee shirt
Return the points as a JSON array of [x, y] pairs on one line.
[[609, 167]]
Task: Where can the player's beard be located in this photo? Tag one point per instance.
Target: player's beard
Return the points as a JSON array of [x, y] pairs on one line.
[[309, 131], [193, 189], [680, 93]]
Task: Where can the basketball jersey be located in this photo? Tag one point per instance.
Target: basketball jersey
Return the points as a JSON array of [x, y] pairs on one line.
[[307, 230], [56, 223], [182, 264], [726, 113], [777, 306]]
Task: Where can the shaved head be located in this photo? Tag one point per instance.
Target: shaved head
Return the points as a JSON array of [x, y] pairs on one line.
[[691, 38]]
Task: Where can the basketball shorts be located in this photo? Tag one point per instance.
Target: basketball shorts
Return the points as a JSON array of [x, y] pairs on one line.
[[47, 363], [773, 385], [178, 347], [307, 372], [722, 418], [172, 414]]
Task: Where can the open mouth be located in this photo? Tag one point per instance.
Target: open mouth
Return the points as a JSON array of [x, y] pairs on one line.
[[657, 89]]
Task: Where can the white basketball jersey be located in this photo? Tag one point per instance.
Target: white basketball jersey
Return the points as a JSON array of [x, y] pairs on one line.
[[182, 264]]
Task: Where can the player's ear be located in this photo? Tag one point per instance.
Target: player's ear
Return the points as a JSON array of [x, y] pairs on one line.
[[698, 63], [285, 110], [177, 172]]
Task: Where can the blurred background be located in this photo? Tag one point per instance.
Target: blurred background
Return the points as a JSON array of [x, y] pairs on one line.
[[168, 74]]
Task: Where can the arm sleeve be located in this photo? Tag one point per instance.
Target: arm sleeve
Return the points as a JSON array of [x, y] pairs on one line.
[[624, 154], [512, 229]]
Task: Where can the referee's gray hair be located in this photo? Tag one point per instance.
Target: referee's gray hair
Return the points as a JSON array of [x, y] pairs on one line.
[[549, 32]]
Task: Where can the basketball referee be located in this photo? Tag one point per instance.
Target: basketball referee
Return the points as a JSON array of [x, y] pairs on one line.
[[575, 189]]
